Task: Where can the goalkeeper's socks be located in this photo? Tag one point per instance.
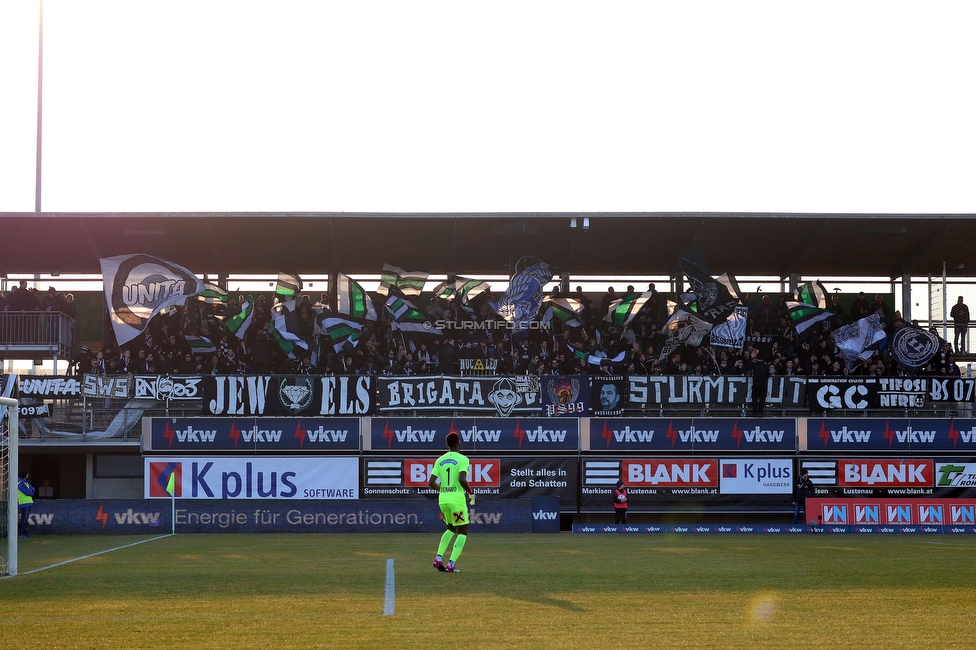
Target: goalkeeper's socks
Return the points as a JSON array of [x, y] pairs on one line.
[[445, 540], [458, 547]]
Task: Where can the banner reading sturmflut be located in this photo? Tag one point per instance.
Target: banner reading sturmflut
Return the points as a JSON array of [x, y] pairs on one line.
[[137, 287]]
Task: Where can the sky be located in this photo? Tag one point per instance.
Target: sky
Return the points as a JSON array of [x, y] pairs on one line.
[[502, 106]]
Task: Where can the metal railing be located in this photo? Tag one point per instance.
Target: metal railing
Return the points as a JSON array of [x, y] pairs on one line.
[[36, 335]]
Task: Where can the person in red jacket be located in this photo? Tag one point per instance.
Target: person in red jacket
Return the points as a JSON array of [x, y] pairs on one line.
[[620, 504]]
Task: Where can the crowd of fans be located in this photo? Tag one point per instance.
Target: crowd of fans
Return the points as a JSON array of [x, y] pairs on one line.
[[771, 340]]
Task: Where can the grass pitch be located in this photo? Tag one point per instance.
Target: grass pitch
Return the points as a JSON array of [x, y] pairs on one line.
[[514, 591]]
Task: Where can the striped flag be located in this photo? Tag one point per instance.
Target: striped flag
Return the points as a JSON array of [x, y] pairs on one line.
[[239, 323], [200, 344], [465, 289], [623, 310], [407, 318], [408, 283], [596, 360], [564, 310], [213, 295], [288, 287], [339, 329], [352, 299], [809, 308]]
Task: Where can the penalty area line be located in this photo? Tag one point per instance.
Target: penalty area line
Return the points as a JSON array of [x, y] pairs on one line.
[[389, 600], [85, 557]]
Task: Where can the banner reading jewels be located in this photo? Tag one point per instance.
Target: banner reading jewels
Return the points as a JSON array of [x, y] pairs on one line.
[[288, 395], [502, 396]]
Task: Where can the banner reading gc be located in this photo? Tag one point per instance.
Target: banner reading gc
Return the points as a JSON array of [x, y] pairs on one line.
[[252, 478]]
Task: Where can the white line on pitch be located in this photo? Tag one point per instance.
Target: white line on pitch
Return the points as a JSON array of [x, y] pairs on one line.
[[390, 599], [85, 557]]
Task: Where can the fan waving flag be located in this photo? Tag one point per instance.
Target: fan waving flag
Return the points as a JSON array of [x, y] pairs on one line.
[[809, 308], [408, 283], [137, 287], [564, 310], [465, 289], [352, 299]]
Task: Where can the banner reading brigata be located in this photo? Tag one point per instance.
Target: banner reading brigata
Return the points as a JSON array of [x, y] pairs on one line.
[[503, 396], [207, 435], [288, 395], [504, 477], [477, 434], [261, 477], [698, 434]]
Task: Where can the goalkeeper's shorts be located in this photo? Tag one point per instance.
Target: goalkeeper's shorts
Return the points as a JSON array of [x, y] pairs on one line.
[[455, 512]]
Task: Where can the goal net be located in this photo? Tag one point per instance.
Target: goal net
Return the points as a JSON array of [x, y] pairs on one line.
[[8, 486]]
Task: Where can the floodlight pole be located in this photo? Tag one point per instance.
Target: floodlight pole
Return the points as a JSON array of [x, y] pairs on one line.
[[40, 104]]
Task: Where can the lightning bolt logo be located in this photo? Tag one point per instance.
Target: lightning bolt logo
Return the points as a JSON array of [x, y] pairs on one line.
[[824, 434], [168, 433], [519, 432], [672, 433], [737, 434], [300, 434], [953, 433], [388, 434], [235, 433], [607, 433], [889, 435], [102, 516]]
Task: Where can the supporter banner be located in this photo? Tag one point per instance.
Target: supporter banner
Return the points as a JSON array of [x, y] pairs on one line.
[[894, 515], [786, 392], [118, 386], [673, 484], [288, 395], [913, 392], [698, 434], [49, 387], [478, 365], [206, 435], [503, 396], [565, 396], [260, 477], [8, 385], [916, 435], [505, 477], [30, 411], [854, 393], [477, 435], [165, 388], [607, 395], [154, 516]]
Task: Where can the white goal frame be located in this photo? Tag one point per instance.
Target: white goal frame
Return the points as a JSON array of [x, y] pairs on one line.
[[13, 469]]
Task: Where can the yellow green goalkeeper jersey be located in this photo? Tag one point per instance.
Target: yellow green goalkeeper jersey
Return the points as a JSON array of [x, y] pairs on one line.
[[448, 469]]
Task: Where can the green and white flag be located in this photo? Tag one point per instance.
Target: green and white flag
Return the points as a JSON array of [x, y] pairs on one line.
[[464, 288], [409, 283], [564, 310], [238, 324], [809, 308], [288, 287], [352, 299], [623, 310], [407, 318], [213, 295], [340, 330], [200, 344]]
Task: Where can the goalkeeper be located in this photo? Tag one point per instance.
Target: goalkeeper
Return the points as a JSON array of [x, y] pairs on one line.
[[450, 477]]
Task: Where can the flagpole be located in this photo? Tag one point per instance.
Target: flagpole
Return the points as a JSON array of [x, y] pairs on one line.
[[173, 513]]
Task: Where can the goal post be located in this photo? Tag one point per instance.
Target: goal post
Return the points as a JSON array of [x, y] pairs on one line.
[[9, 468]]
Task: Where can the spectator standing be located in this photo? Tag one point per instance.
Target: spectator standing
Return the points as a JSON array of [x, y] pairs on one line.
[[25, 501], [860, 308], [620, 503], [801, 491], [960, 325]]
